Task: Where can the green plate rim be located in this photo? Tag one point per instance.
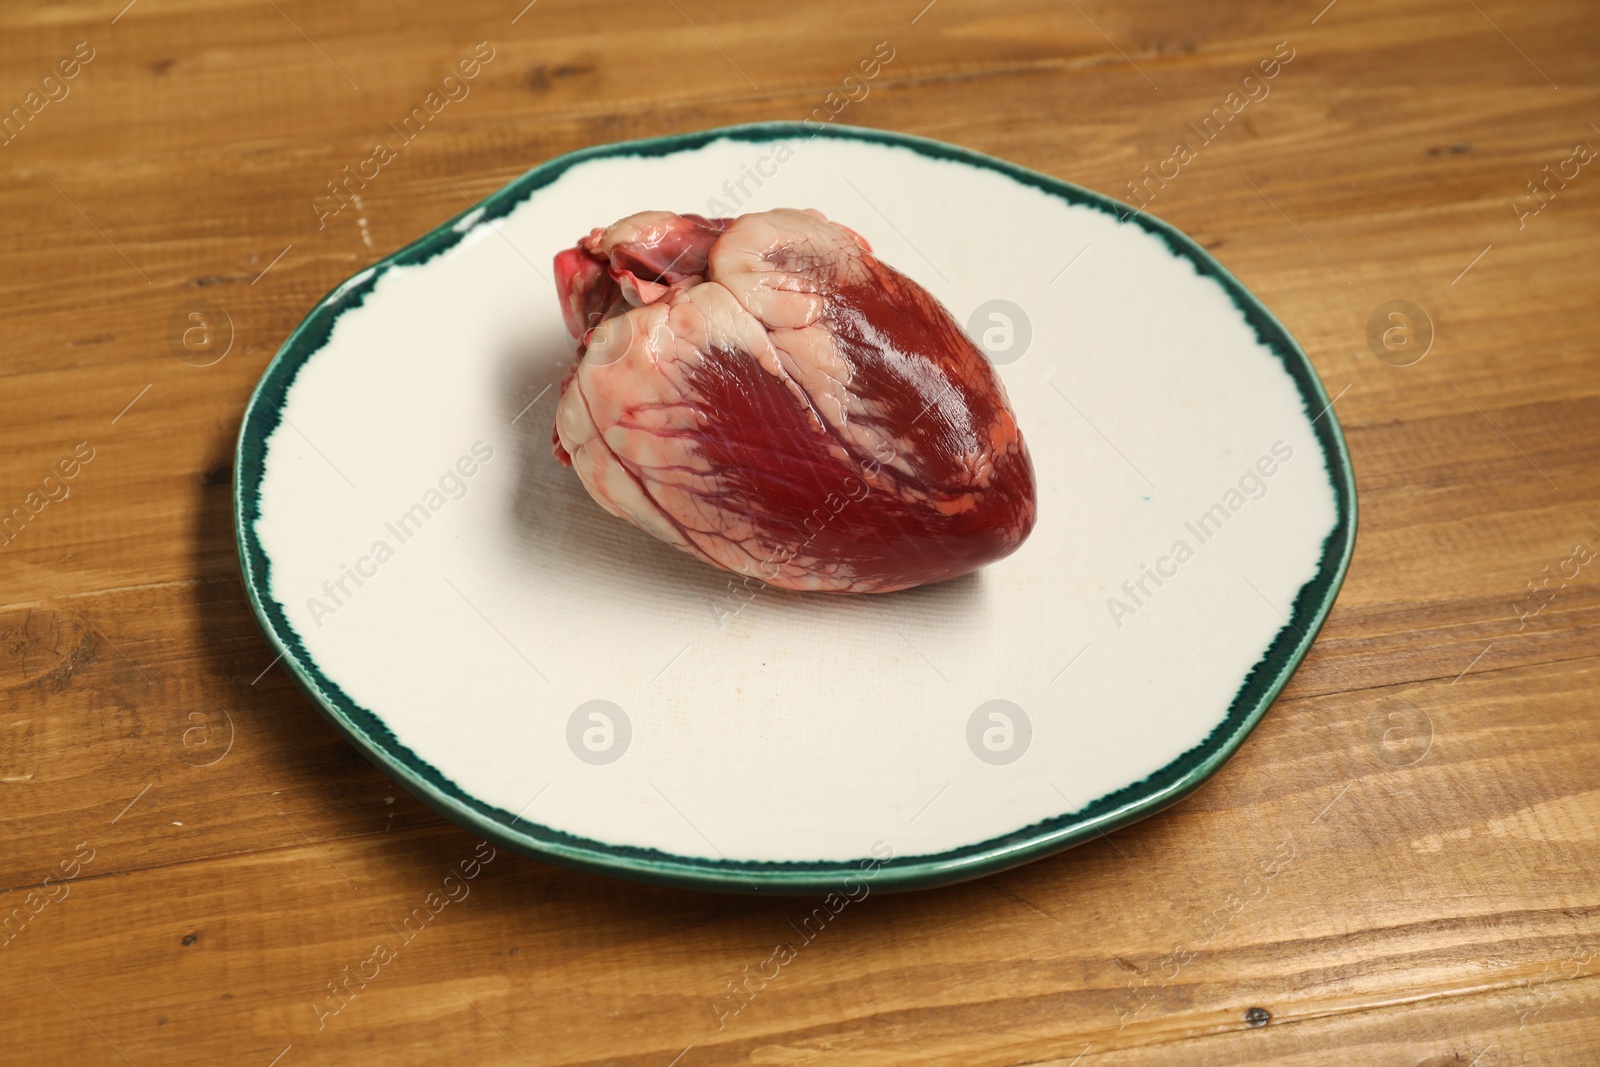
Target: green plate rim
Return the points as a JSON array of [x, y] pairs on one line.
[[1164, 787]]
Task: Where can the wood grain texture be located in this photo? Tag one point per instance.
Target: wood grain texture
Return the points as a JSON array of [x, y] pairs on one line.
[[1400, 866]]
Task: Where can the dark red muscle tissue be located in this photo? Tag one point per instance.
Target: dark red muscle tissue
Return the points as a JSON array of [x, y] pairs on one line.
[[766, 394]]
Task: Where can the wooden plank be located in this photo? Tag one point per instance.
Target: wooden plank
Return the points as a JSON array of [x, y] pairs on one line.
[[1398, 867]]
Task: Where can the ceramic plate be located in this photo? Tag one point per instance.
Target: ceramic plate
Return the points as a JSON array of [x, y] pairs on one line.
[[558, 682]]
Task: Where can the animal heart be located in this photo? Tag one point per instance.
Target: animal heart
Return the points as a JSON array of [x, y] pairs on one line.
[[767, 395]]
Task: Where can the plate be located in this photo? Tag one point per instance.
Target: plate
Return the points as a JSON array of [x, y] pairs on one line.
[[558, 682]]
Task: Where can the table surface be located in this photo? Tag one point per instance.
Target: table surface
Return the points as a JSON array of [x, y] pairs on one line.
[[193, 859]]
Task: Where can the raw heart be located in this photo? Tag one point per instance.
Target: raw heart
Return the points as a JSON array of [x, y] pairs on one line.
[[768, 396]]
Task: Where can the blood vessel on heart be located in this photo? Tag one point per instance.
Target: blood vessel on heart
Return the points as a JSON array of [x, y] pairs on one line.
[[768, 396]]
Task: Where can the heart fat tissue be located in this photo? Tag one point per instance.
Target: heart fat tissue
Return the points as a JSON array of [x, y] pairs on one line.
[[768, 396]]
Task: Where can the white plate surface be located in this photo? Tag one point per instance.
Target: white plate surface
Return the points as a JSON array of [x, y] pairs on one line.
[[762, 725]]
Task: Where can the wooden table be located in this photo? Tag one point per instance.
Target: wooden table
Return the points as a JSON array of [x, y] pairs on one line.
[[196, 857]]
